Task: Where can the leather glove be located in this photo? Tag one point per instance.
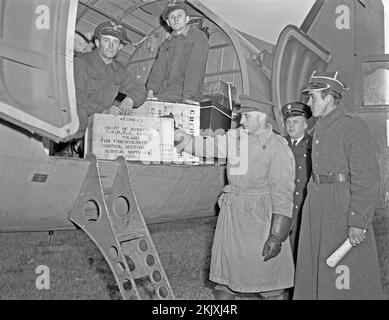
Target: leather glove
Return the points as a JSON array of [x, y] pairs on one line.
[[279, 231]]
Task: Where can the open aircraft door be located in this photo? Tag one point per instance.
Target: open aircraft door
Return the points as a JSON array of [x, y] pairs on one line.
[[296, 56], [36, 66]]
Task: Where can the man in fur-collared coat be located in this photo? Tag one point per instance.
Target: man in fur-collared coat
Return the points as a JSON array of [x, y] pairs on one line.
[[342, 194]]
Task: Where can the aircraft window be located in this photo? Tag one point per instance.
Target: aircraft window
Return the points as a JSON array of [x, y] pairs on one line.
[[375, 83]]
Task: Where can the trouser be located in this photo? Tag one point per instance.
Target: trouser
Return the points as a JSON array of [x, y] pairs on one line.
[[268, 295], [273, 295]]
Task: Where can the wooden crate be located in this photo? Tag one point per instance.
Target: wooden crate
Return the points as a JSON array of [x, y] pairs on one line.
[[186, 117], [136, 138]]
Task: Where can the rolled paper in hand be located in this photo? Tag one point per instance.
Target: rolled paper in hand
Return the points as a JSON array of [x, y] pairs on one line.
[[338, 255]]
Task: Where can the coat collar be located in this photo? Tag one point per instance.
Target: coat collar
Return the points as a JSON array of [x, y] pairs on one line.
[[184, 33], [332, 116], [264, 136], [304, 142]]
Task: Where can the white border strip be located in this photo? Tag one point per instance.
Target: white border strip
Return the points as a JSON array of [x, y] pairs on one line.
[[72, 127]]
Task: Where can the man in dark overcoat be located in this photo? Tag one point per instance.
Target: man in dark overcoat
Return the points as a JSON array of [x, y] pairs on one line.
[[342, 194], [296, 115]]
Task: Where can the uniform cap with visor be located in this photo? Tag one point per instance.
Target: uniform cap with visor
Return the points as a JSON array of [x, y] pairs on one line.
[[112, 28], [295, 109], [249, 103], [175, 5], [320, 81]]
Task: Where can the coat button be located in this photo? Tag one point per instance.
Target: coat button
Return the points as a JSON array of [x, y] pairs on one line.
[[300, 167], [317, 141], [298, 180], [296, 207], [297, 193], [305, 155], [352, 213]]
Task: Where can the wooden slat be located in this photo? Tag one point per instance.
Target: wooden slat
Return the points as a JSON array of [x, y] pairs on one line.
[[146, 17], [229, 61], [85, 26], [154, 9], [125, 4], [93, 19], [81, 11], [102, 13], [137, 24], [109, 8]]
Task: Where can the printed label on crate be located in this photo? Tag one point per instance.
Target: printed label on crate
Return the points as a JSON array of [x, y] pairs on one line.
[[186, 117], [135, 138]]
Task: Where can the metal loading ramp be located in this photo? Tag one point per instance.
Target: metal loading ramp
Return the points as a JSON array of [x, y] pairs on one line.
[[108, 212]]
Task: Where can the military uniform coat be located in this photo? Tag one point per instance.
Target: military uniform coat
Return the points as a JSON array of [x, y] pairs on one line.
[[341, 144], [302, 156], [97, 84], [261, 185], [178, 73]]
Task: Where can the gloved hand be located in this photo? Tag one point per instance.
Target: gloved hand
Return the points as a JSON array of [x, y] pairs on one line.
[[279, 231]]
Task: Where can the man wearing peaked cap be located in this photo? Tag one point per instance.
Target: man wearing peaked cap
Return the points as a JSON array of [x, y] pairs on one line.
[[252, 104], [326, 80], [248, 103], [324, 83], [175, 5], [341, 198], [99, 77], [295, 109], [296, 115], [178, 73], [250, 251]]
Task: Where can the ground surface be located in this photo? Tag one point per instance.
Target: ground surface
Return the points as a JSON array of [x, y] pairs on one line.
[[79, 271]]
